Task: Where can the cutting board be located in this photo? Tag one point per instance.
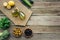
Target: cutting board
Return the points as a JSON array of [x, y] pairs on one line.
[[20, 6]]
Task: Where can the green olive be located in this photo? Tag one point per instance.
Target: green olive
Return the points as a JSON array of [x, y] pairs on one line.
[[15, 13], [22, 16]]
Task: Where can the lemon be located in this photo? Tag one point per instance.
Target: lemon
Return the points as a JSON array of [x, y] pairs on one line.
[[11, 3], [5, 4], [8, 7]]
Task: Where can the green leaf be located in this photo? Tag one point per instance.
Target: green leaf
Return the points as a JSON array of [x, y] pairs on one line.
[[4, 23], [4, 35]]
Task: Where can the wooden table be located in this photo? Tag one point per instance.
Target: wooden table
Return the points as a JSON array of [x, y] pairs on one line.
[[45, 21]]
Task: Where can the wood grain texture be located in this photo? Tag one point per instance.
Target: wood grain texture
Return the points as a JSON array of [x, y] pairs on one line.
[[40, 32], [44, 20], [36, 26], [42, 36], [47, 0], [45, 17], [46, 4]]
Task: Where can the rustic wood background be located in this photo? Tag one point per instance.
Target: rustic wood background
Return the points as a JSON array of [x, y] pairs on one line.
[[45, 21]]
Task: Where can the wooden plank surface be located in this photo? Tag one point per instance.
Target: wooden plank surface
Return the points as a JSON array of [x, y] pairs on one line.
[[46, 36], [46, 19], [37, 28], [21, 7], [40, 32], [46, 4], [46, 0]]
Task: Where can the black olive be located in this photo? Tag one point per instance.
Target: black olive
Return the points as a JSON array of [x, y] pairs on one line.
[[28, 32]]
